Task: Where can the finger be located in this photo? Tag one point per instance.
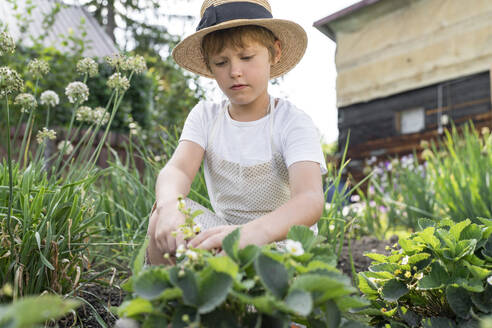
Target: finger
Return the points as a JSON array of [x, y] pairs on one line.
[[198, 239], [180, 240], [214, 241]]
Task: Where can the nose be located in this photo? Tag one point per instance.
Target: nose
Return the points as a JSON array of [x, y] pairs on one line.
[[236, 69]]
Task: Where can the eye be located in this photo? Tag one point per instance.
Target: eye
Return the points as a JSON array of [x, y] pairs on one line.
[[221, 63], [247, 57]]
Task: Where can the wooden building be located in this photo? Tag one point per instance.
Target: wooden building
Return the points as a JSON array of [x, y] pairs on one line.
[[406, 69]]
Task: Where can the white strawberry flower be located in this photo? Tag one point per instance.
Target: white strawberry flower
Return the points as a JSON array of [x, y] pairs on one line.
[[294, 247], [180, 251], [192, 255]]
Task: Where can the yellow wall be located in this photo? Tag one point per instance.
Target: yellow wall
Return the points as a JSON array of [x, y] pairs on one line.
[[426, 42]]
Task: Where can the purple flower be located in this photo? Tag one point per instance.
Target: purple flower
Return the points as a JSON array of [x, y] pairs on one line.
[[383, 209]]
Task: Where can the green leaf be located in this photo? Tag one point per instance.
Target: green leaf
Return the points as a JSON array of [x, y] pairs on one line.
[[367, 287], [483, 301], [247, 255], [410, 317], [214, 288], [32, 310], [472, 231], [457, 228], [388, 267], [300, 302], [477, 272], [333, 316], [437, 278], [426, 223], [273, 275], [393, 290], [471, 285], [134, 307], [224, 264], [410, 246], [323, 287], [418, 258], [151, 283], [459, 301], [347, 303], [230, 244], [376, 257], [302, 234], [187, 283], [437, 322], [427, 236], [138, 263]]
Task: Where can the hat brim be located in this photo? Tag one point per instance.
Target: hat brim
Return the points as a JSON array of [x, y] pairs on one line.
[[293, 39]]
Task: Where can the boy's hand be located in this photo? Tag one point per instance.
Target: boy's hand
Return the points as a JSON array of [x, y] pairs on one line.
[[212, 238], [163, 222]]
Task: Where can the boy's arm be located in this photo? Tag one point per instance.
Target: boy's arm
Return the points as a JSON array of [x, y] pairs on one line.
[[305, 207], [173, 180]]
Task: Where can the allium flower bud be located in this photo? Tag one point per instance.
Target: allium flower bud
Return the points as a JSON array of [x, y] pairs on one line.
[[84, 114], [10, 81], [38, 68], [118, 82], [26, 101], [100, 114], [87, 66], [67, 146], [77, 92], [50, 98], [137, 64], [7, 44], [118, 62], [45, 133]]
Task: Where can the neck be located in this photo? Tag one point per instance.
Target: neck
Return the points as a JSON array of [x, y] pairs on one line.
[[250, 112]]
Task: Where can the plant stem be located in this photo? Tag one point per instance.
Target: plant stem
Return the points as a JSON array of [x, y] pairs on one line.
[[11, 188]]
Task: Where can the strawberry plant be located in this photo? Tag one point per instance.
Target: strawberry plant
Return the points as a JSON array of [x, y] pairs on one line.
[[249, 287], [441, 276]]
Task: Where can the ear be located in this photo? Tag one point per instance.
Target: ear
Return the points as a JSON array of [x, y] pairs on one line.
[[278, 52]]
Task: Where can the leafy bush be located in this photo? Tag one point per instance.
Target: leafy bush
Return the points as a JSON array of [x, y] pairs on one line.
[[440, 277], [451, 179], [249, 287]]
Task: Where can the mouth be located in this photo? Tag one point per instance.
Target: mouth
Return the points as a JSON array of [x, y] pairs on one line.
[[238, 86]]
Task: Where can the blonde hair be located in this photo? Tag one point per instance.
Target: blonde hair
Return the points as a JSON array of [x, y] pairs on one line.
[[237, 37]]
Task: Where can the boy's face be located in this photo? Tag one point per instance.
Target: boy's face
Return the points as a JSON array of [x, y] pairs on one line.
[[243, 73]]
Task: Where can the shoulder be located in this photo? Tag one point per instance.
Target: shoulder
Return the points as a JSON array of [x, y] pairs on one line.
[[288, 116], [205, 111]]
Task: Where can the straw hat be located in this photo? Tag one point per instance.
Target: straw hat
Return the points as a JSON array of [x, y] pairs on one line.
[[222, 14]]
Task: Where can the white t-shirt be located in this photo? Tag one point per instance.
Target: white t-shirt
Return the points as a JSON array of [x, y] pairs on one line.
[[248, 143]]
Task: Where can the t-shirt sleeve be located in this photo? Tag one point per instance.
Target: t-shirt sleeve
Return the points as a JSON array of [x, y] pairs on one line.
[[301, 141], [194, 126]]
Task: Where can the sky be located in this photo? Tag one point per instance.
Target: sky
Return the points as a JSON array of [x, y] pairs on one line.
[[311, 84]]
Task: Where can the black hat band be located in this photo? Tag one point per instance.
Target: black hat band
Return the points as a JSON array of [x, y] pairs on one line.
[[214, 15]]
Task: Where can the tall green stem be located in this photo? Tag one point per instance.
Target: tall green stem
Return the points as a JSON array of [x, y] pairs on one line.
[[11, 188]]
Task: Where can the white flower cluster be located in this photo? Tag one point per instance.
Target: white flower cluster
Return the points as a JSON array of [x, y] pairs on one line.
[[26, 101], [87, 114], [10, 81], [134, 128], [77, 92], [7, 44], [45, 133], [50, 98], [65, 146], [190, 254], [294, 247], [136, 63], [87, 66], [38, 68], [118, 82]]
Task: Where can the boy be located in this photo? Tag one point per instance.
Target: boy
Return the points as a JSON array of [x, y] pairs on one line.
[[262, 156]]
